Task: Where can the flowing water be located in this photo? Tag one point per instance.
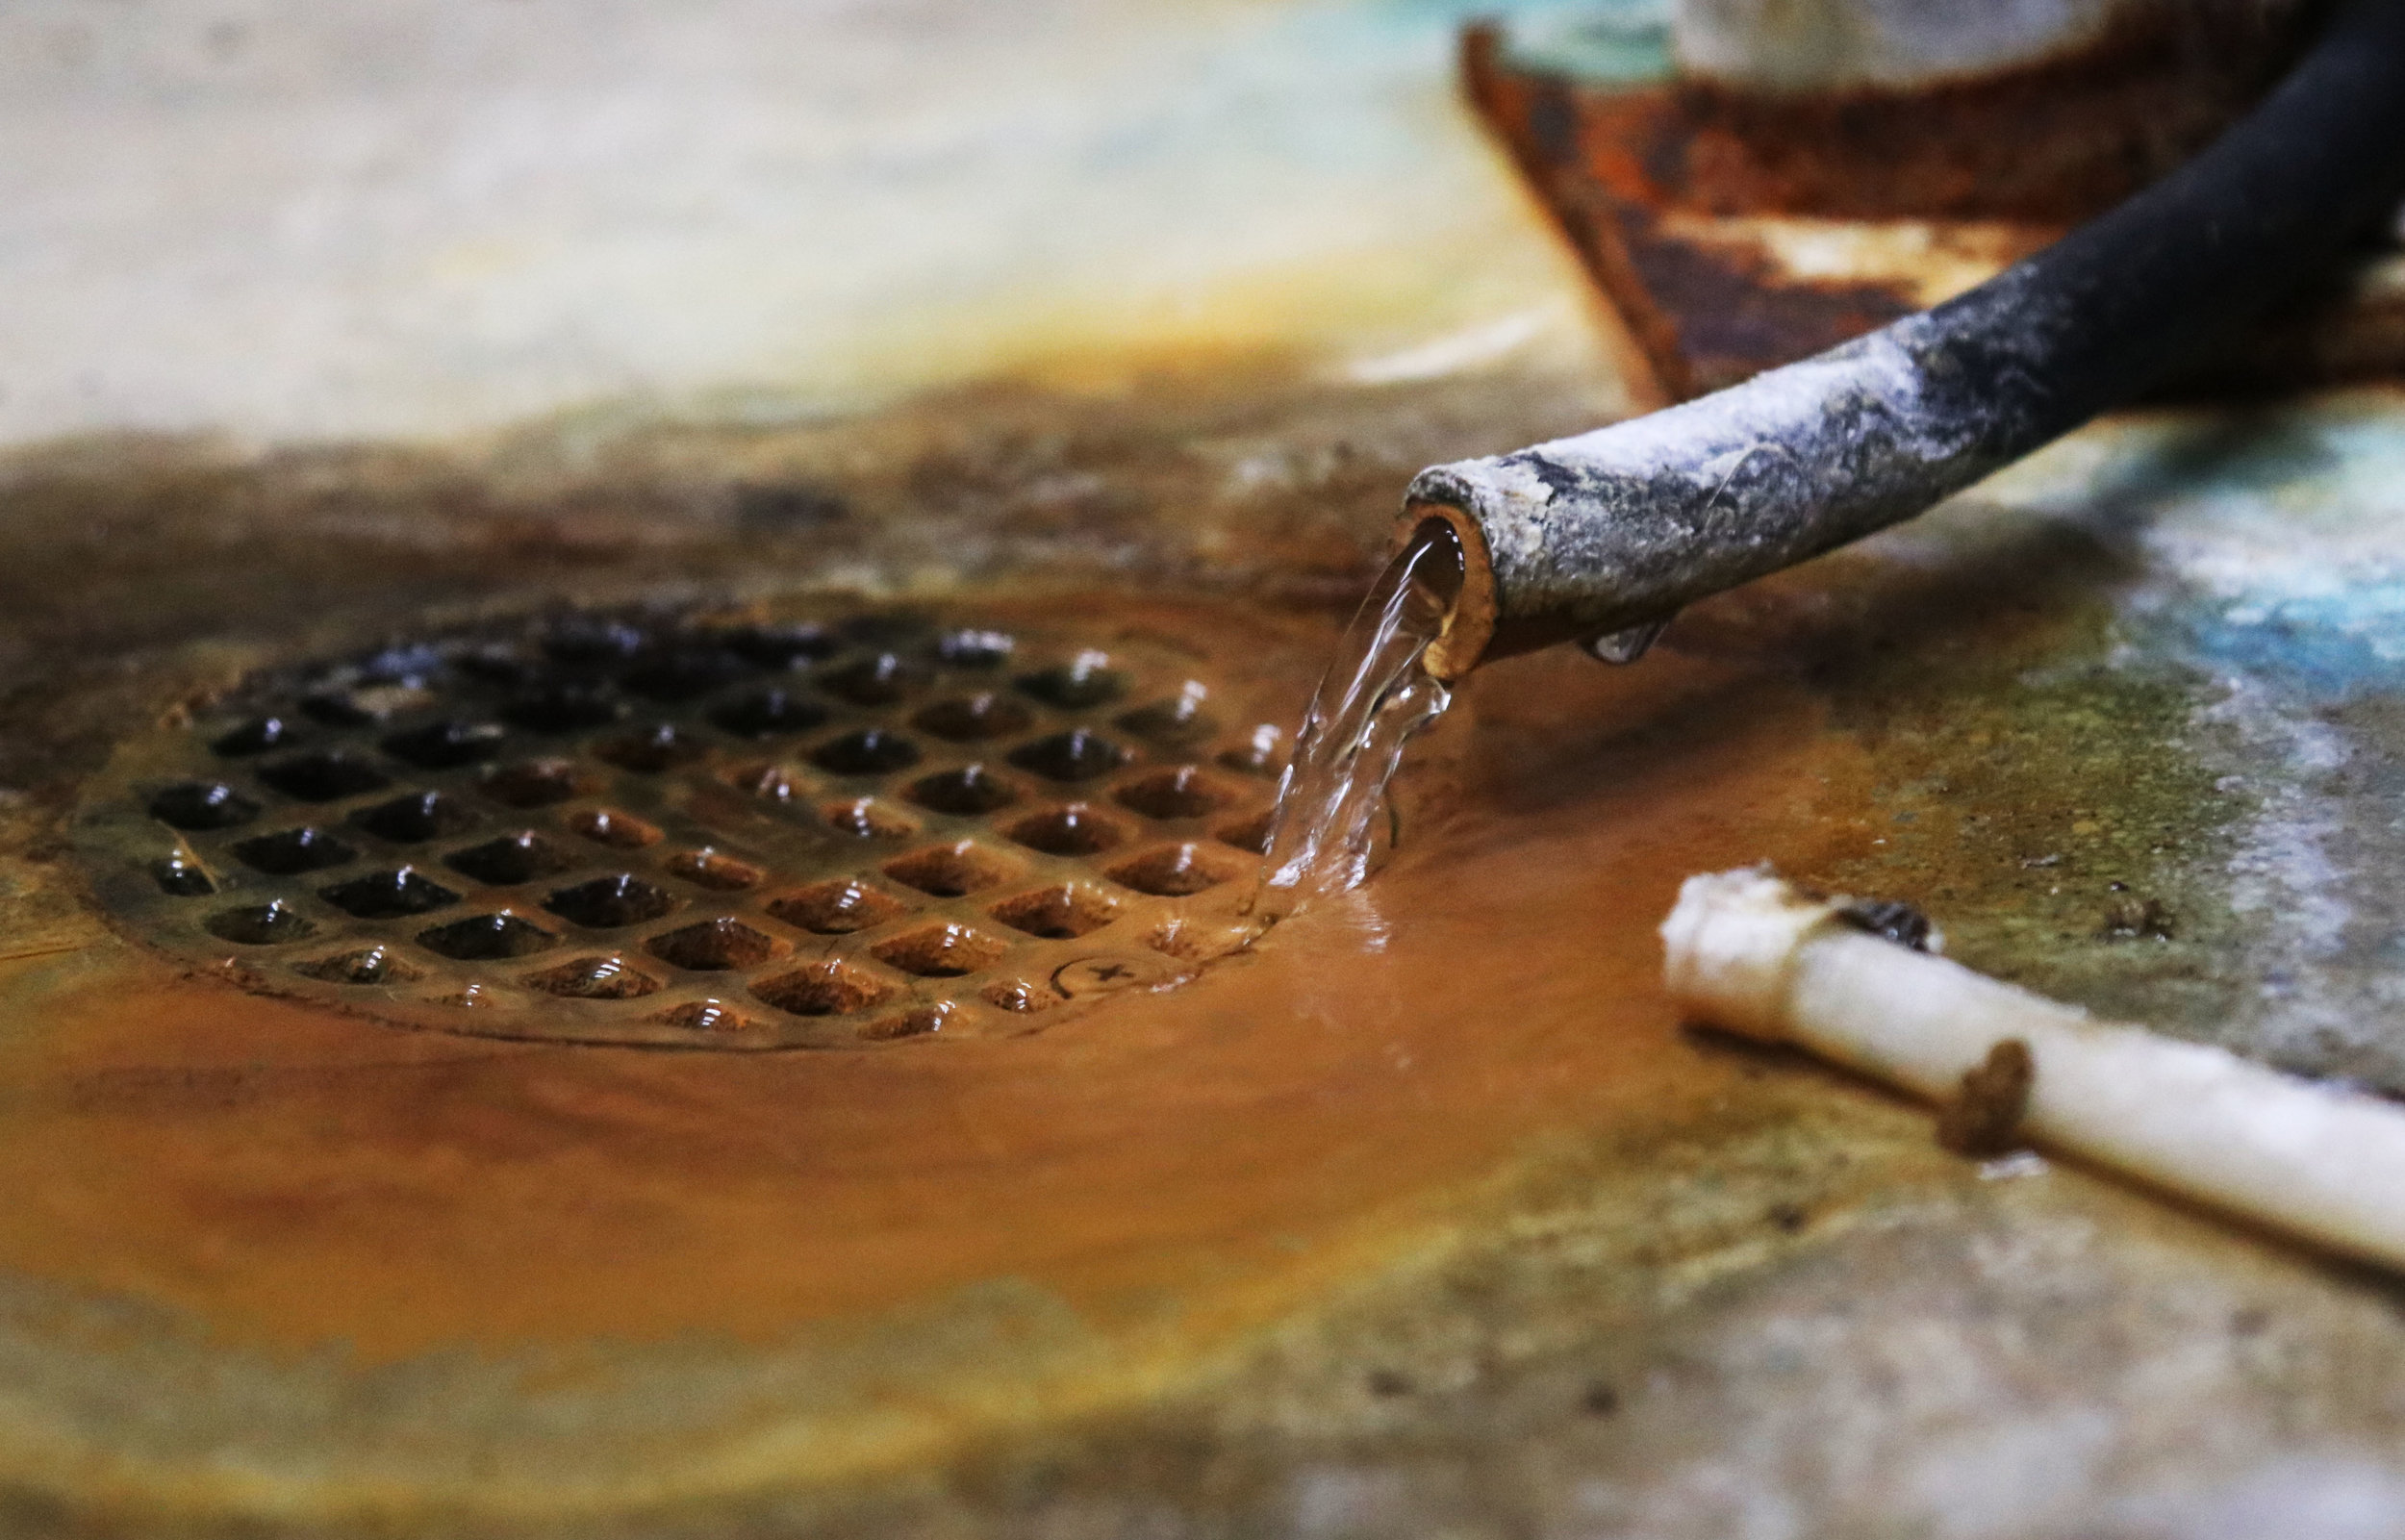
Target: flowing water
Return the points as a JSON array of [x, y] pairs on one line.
[[1367, 707]]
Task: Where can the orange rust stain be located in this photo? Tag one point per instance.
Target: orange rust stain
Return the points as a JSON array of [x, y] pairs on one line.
[[292, 1178]]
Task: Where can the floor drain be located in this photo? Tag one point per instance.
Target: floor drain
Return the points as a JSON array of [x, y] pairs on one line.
[[864, 829]]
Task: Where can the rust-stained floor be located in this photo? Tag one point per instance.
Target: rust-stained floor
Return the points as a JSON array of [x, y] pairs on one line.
[[1426, 1216], [1426, 1211]]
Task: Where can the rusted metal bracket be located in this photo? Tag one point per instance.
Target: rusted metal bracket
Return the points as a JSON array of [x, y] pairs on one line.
[[1735, 232]]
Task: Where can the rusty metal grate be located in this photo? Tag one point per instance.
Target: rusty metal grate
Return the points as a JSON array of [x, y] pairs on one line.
[[807, 833]]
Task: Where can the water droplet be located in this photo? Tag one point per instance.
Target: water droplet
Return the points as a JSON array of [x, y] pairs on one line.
[[1628, 644]]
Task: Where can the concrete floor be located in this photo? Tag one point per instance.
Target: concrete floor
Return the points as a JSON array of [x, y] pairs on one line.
[[325, 321]]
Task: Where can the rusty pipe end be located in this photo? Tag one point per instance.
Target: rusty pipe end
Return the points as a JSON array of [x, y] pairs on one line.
[[1477, 628], [1469, 628]]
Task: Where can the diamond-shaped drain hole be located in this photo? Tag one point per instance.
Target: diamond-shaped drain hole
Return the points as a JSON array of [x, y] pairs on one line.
[[876, 681], [257, 736], [968, 791], [266, 925], [922, 1021], [323, 777], [179, 878], [367, 966], [563, 709], [620, 831], [824, 989], [682, 671], [708, 869], [1175, 871], [446, 744], [1177, 722], [1086, 680], [870, 751], [782, 646], [292, 851], [487, 938], [1079, 754], [606, 903], [973, 647], [949, 870], [1022, 995], [199, 805], [1183, 793], [705, 1017], [604, 828], [512, 859], [942, 952], [592, 639], [713, 946], [417, 817], [868, 819], [770, 713], [594, 979], [1253, 834], [1057, 914], [395, 894], [837, 908], [1074, 830], [1262, 754], [336, 708], [652, 750], [536, 783], [771, 781], [975, 718]]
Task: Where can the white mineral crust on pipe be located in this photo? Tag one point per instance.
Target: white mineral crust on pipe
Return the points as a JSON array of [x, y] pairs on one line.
[[1749, 952]]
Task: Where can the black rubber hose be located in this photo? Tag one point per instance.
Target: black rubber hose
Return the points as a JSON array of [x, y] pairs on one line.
[[1618, 529]]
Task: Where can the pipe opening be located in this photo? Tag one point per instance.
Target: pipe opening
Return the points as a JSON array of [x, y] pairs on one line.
[[1456, 574]]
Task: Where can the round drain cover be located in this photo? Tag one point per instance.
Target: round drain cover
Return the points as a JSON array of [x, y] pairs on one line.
[[849, 829]]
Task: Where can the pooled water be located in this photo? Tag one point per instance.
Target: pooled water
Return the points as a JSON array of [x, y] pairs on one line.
[[1367, 707]]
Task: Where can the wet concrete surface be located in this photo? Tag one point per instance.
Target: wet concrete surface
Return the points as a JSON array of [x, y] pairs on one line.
[[1426, 1215]]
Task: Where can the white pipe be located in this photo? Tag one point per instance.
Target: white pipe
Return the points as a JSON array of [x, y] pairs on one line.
[[1749, 952]]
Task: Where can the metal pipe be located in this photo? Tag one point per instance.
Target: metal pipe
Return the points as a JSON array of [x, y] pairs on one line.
[[1606, 535]]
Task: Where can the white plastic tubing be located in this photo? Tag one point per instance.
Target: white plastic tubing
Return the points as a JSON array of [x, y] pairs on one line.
[[1753, 955]]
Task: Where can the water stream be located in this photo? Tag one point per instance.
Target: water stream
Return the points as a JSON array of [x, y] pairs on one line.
[[1369, 704]]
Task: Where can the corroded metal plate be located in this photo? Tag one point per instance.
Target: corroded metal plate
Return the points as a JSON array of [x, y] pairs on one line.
[[811, 832]]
